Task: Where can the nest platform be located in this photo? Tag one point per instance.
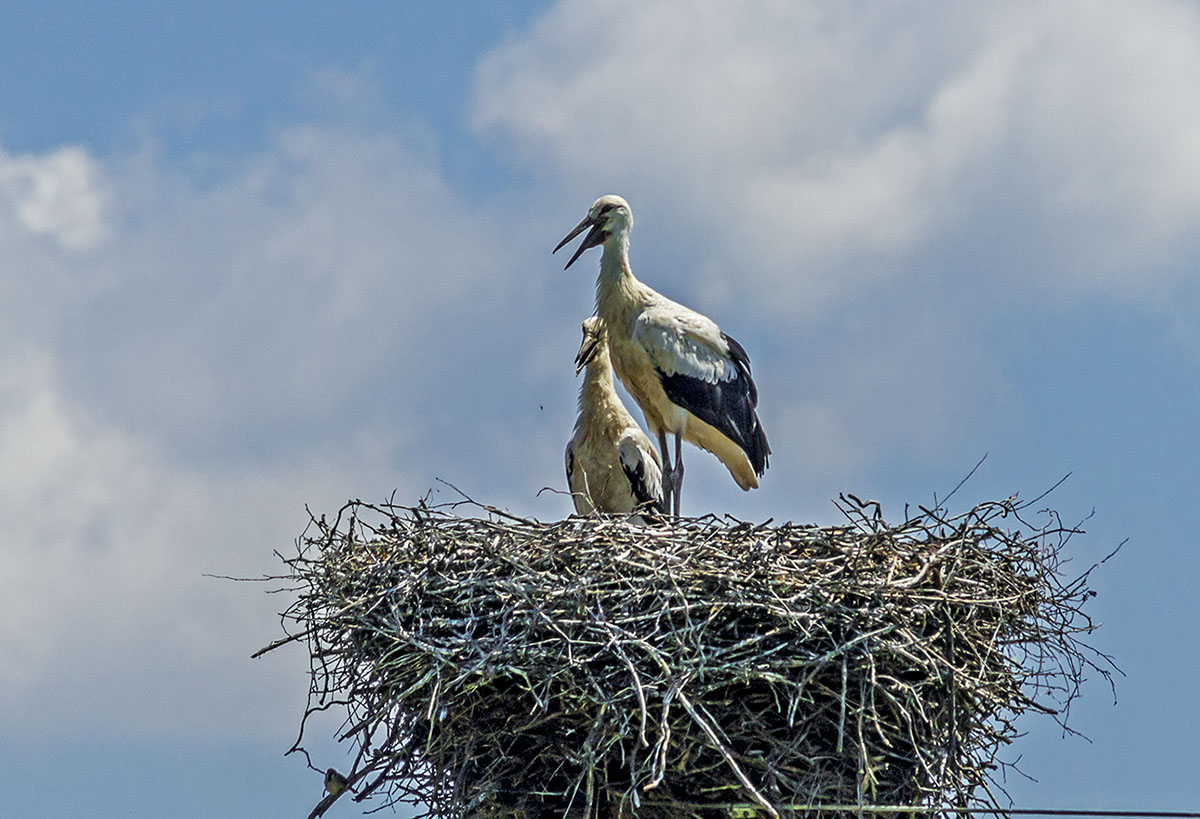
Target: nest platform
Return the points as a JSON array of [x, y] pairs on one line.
[[496, 666]]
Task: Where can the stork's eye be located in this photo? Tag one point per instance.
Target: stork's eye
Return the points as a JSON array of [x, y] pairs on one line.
[[606, 209]]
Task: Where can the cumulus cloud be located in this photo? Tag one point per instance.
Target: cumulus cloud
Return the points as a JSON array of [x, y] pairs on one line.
[[107, 623], [61, 195], [325, 278], [819, 149], [312, 323]]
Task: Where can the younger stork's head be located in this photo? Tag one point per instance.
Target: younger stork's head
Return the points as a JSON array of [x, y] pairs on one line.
[[595, 340], [607, 217]]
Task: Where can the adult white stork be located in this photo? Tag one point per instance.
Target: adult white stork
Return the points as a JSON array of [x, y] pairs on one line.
[[690, 379], [611, 464]]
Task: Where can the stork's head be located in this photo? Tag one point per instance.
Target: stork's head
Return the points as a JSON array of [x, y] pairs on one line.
[[608, 216], [595, 340]]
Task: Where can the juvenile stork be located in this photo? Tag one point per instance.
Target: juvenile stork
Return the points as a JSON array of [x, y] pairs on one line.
[[611, 464], [690, 379]]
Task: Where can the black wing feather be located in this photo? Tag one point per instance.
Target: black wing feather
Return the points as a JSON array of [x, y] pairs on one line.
[[647, 501], [729, 406]]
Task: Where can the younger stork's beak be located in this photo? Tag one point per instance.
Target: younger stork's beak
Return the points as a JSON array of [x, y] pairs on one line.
[[595, 237], [587, 350]]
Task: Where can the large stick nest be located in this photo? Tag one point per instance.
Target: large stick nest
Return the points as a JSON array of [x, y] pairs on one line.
[[591, 667]]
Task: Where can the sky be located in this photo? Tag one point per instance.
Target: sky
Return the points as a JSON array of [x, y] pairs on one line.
[[261, 257]]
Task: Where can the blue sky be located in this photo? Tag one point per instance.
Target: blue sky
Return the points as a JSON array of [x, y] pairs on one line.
[[257, 259]]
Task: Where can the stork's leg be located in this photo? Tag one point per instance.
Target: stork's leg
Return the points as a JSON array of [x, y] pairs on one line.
[[667, 475], [677, 479]]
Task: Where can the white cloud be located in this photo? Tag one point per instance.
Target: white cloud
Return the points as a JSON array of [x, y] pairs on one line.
[[820, 149], [302, 326], [61, 194], [323, 278], [107, 623]]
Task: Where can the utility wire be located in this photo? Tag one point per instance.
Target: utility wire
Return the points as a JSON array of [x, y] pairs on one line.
[[1140, 814]]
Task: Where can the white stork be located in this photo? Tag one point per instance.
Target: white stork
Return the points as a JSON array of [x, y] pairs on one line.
[[690, 379], [611, 464]]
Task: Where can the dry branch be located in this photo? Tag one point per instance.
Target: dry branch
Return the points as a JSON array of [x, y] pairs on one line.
[[502, 667]]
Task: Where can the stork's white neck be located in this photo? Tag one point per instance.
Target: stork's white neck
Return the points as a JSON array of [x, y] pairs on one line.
[[616, 283], [597, 382], [599, 406]]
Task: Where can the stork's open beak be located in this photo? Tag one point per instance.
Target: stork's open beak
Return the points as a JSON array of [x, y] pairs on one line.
[[587, 350], [595, 237]]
